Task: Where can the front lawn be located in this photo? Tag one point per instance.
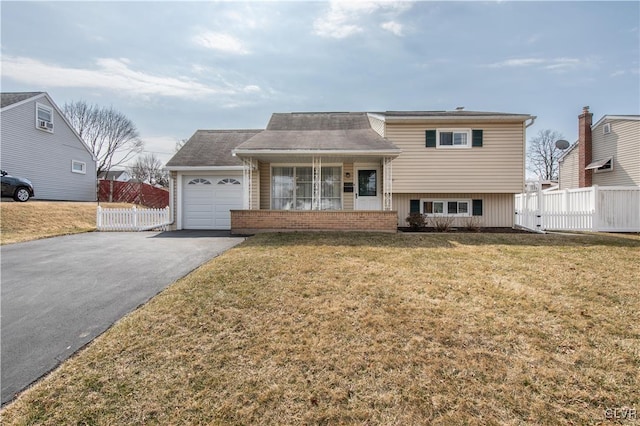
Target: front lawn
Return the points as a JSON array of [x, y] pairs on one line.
[[41, 219], [370, 329]]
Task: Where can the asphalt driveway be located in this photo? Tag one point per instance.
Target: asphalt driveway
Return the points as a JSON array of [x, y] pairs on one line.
[[60, 293]]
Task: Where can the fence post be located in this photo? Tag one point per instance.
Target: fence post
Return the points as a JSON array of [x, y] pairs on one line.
[[99, 218], [595, 220], [135, 218], [540, 222]]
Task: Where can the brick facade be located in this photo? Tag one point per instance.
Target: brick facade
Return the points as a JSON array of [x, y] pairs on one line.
[[246, 222]]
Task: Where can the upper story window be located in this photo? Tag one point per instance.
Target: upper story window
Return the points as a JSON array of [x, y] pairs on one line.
[[606, 129], [44, 117], [453, 138]]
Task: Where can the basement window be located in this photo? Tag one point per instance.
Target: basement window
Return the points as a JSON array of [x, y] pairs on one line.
[[446, 207]]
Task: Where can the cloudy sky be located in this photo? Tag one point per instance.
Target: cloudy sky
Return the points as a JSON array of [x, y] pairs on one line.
[[174, 67]]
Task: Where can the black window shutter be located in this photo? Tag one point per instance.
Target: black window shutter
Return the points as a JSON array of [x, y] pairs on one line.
[[430, 138], [414, 206], [476, 138], [477, 207]]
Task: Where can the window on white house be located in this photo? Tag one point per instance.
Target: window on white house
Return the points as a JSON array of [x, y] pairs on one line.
[[446, 207], [44, 117], [606, 129], [292, 188], [78, 167], [605, 165]]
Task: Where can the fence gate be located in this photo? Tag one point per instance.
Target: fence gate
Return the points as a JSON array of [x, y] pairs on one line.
[[133, 219], [606, 209]]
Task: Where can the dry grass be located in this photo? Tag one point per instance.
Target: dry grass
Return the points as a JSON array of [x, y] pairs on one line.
[[41, 219], [369, 329]]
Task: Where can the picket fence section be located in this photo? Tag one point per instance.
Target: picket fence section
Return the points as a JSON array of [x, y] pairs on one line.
[[604, 209], [132, 219]]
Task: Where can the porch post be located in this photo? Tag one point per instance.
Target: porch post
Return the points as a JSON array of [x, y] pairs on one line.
[[387, 190], [247, 182], [316, 179]]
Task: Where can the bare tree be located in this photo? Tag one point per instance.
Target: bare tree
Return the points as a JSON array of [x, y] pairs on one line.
[[543, 155], [112, 137], [148, 168], [180, 144]]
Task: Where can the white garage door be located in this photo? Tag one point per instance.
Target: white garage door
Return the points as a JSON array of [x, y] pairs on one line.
[[208, 199]]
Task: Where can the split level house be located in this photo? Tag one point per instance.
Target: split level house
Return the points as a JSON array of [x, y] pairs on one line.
[[351, 171], [38, 143], [606, 153]]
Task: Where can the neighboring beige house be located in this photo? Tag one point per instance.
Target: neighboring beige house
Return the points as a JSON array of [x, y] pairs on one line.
[[607, 153], [349, 171]]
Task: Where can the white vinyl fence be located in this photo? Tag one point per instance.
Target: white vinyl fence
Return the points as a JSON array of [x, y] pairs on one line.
[[605, 209], [132, 219]]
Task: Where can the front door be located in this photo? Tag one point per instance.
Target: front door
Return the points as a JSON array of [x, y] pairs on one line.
[[367, 191]]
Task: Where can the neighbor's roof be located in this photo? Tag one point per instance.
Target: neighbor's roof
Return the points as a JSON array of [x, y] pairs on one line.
[[111, 175], [10, 98], [211, 148], [318, 131]]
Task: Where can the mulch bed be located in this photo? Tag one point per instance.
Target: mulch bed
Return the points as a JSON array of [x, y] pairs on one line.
[[484, 230]]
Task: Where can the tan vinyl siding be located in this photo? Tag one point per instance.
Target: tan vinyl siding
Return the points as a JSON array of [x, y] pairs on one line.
[[623, 144], [569, 170], [347, 197], [497, 166], [497, 209], [265, 185]]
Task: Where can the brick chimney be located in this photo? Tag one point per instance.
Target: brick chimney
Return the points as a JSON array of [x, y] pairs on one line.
[[584, 148]]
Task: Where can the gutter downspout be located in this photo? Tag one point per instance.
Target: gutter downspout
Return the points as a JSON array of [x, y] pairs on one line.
[[533, 120]]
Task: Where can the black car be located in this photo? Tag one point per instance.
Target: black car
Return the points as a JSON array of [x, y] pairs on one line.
[[20, 189]]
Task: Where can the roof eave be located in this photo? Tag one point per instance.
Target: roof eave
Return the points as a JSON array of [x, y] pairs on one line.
[[203, 168], [317, 152], [452, 117]]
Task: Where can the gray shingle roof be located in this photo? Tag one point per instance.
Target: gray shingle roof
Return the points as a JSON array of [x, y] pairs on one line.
[[332, 131], [10, 98], [325, 140], [211, 148], [319, 121]]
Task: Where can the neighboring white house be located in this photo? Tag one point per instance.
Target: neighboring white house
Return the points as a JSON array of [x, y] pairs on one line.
[[117, 175], [606, 153], [39, 144]]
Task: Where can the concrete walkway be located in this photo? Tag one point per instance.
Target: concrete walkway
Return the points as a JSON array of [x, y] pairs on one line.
[[60, 293]]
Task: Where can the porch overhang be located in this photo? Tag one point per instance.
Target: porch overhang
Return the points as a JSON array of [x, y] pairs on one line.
[[306, 155]]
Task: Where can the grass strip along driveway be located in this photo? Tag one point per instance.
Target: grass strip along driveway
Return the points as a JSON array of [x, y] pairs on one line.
[[41, 219], [370, 329]]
